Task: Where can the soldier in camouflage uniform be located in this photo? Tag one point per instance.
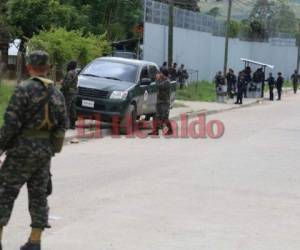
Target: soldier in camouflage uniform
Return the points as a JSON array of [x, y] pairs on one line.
[[69, 89], [33, 131], [163, 104]]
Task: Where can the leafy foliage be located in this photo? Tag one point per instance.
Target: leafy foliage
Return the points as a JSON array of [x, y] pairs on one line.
[[273, 17], [6, 91], [63, 45], [116, 17], [234, 29], [215, 11]]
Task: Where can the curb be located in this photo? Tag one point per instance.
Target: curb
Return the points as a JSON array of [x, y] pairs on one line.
[[194, 114]]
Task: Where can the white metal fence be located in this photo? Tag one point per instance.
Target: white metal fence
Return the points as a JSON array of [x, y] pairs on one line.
[[158, 13]]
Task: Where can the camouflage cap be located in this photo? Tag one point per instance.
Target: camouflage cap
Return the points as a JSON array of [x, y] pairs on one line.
[[38, 58]]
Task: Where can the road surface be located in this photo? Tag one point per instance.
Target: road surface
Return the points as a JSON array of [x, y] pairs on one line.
[[240, 192]]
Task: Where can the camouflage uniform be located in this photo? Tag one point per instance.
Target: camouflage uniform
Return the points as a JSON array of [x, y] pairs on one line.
[[28, 142], [163, 104], [69, 89]]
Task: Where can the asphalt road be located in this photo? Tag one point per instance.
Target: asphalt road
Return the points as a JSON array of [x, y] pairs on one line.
[[240, 192]]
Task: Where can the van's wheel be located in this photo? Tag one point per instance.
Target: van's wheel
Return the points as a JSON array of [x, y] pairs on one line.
[[130, 117]]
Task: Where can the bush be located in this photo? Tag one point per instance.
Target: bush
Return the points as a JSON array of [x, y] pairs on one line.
[[234, 29], [63, 46], [6, 90]]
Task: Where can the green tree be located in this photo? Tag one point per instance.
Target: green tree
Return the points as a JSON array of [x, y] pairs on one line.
[[274, 16], [5, 33], [215, 11], [31, 16], [234, 29], [116, 17], [284, 20], [63, 45]]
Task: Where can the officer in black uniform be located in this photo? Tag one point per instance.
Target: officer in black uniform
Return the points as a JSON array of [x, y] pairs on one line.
[[173, 72], [240, 87], [271, 82], [231, 83], [279, 85], [295, 78], [247, 79]]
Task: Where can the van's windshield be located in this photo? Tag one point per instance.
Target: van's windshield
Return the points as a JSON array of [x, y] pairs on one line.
[[112, 70]]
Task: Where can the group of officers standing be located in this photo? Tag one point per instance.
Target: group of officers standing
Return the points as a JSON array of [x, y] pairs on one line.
[[179, 75], [240, 85]]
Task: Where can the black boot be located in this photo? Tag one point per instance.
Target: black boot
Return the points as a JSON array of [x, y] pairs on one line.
[[0, 246], [31, 246]]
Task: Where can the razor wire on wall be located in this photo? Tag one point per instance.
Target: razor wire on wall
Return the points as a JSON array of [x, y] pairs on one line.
[[158, 13]]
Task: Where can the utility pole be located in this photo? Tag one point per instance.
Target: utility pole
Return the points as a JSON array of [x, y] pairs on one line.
[[227, 36], [171, 32], [298, 45]]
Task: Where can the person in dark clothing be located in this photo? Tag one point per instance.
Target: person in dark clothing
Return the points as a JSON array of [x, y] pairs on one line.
[[279, 85], [259, 77], [182, 76], [240, 87], [164, 66], [163, 104], [271, 82], [231, 83], [295, 78], [221, 91], [173, 72], [262, 80], [219, 81], [247, 79], [69, 90]]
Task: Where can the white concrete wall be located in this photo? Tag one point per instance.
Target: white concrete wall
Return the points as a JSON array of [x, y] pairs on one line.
[[205, 52]]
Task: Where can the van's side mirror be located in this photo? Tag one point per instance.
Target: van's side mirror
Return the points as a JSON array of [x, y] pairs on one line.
[[78, 70], [146, 81]]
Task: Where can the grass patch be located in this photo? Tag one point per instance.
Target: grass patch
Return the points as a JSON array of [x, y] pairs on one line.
[[198, 91], [288, 84], [6, 90]]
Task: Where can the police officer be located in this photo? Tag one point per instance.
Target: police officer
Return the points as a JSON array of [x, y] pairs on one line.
[[247, 79], [271, 83], [295, 78], [220, 84], [33, 131], [259, 78], [279, 85], [262, 80], [69, 89], [173, 72], [240, 87], [163, 104], [163, 66], [182, 76], [231, 83]]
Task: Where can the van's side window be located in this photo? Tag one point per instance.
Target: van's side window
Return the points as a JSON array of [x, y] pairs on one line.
[[153, 72], [145, 73]]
